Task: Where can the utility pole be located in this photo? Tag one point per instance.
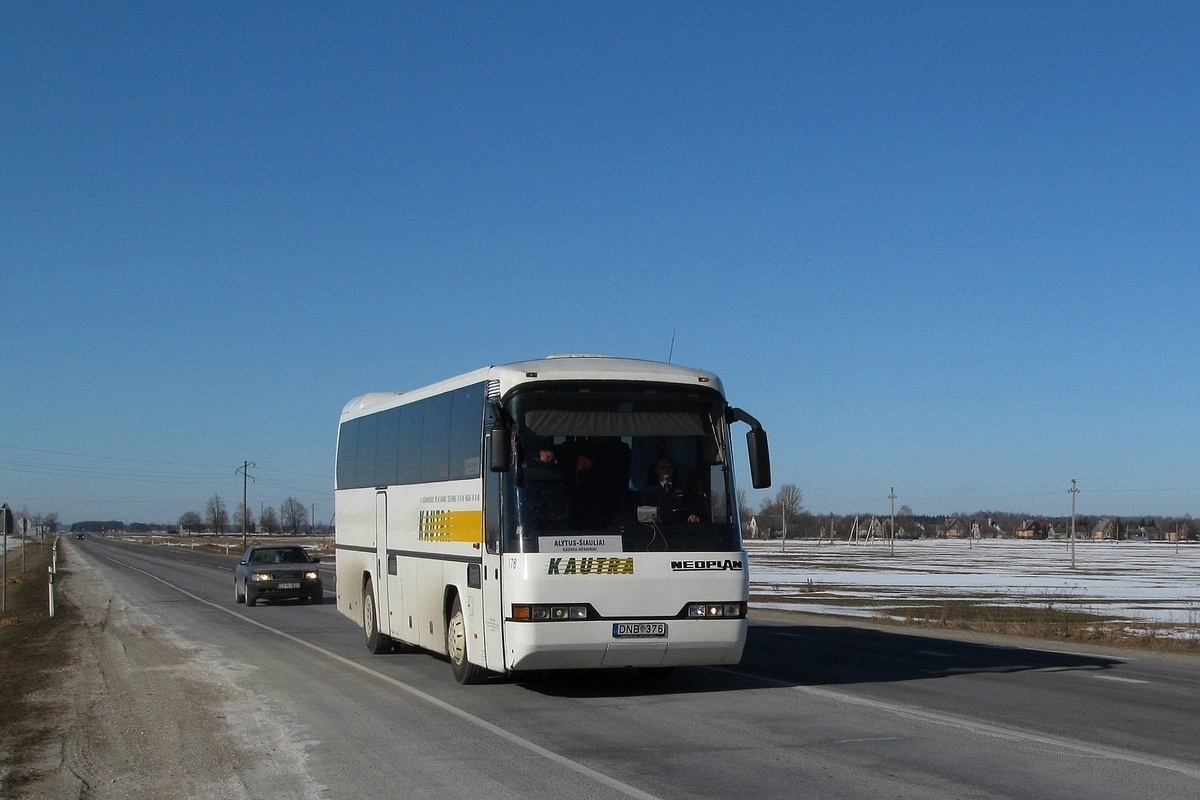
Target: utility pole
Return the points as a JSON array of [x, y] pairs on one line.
[[1074, 491], [245, 471], [783, 518], [893, 497]]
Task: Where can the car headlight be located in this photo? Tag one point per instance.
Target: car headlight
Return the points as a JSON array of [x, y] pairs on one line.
[[311, 575], [261, 576]]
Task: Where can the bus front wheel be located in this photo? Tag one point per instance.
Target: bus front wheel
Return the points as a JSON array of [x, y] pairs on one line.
[[377, 643], [456, 646]]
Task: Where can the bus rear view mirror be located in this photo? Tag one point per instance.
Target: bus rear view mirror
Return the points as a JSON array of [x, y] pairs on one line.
[[500, 438], [756, 447], [760, 458]]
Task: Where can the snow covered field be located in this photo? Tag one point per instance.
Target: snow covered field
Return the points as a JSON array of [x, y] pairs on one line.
[[1135, 581]]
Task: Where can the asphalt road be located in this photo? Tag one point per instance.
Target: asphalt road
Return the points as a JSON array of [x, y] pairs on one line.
[[817, 709]]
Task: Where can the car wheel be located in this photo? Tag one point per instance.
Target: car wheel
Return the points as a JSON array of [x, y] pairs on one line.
[[251, 599], [377, 643], [456, 646], [238, 597], [317, 598]]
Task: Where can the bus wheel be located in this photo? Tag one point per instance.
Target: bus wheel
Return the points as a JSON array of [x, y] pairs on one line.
[[456, 645], [376, 642]]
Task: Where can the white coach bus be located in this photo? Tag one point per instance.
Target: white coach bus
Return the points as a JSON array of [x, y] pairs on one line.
[[566, 513]]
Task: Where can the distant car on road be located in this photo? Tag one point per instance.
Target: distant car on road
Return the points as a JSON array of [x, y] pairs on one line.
[[79, 536], [277, 572]]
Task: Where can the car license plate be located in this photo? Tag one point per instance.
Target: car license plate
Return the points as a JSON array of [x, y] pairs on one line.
[[288, 586], [632, 630]]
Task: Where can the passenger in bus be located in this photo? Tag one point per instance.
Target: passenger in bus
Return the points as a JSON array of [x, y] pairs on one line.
[[664, 492], [548, 457]]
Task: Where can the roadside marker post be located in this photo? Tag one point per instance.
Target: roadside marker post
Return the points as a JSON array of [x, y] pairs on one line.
[[7, 524], [51, 590]]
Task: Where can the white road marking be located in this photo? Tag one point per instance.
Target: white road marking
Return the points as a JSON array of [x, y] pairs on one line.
[[574, 766], [976, 727]]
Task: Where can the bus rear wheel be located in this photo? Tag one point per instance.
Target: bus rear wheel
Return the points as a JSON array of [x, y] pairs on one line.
[[377, 643], [456, 646]]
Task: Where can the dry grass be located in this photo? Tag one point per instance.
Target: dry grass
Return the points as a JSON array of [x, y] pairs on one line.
[[33, 647], [1046, 621], [229, 544]]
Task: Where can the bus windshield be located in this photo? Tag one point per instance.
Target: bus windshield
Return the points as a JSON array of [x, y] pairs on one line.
[[635, 469]]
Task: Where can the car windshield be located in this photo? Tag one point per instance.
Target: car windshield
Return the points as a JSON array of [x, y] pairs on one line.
[[644, 468], [279, 555]]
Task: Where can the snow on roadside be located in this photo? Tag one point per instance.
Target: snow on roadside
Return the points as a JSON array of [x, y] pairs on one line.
[[1129, 580]]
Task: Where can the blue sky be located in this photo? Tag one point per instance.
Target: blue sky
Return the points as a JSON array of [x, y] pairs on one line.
[[950, 248]]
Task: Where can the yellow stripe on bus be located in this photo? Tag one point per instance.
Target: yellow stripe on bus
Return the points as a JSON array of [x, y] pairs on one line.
[[451, 526]]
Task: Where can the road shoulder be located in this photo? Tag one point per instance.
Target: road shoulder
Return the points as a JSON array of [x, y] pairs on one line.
[[143, 713]]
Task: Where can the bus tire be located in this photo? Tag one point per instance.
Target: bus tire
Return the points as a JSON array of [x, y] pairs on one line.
[[456, 647], [377, 643]]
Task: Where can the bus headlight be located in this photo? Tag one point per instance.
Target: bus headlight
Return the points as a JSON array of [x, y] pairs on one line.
[[716, 610], [543, 612]]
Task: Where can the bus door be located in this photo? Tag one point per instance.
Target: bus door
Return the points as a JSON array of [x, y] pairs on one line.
[[493, 616], [493, 610], [383, 580]]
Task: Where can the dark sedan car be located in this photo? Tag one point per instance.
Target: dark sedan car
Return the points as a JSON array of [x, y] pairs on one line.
[[277, 572]]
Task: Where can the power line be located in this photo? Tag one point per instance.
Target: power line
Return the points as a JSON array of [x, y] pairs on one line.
[[108, 458]]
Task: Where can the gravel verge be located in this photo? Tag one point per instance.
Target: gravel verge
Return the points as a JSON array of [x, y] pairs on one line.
[[141, 713]]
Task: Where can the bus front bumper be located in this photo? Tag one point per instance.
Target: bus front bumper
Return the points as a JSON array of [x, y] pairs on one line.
[[595, 644]]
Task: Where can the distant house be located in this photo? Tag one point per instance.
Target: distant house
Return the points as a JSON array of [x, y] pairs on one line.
[[1035, 529], [951, 529], [1151, 533]]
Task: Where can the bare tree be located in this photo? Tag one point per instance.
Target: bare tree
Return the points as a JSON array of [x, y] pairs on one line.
[[293, 515], [191, 521], [791, 500], [218, 517], [43, 523], [744, 512], [268, 521], [237, 518]]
